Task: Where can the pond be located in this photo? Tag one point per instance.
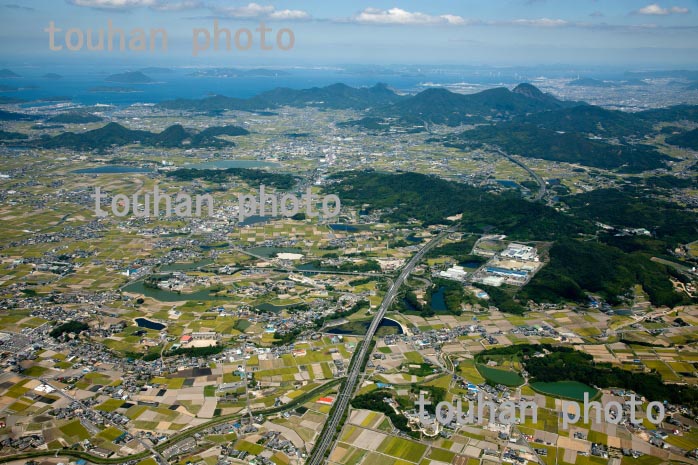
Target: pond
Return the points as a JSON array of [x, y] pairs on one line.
[[145, 323], [438, 302], [408, 305], [413, 238], [471, 265], [137, 287], [507, 183], [573, 390], [112, 169], [308, 267], [254, 219], [497, 376], [359, 328], [344, 227]]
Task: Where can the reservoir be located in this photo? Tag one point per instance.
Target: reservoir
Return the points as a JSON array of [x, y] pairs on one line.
[[344, 227], [145, 323], [507, 183], [183, 266], [471, 265], [438, 303], [565, 389], [137, 287], [254, 219], [359, 328]]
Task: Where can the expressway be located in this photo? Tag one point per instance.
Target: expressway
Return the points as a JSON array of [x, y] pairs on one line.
[[534, 175], [326, 439]]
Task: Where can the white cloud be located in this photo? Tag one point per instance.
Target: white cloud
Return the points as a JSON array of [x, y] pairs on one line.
[[655, 9], [257, 11], [157, 5], [113, 4], [290, 14], [249, 11], [541, 22], [177, 6], [400, 16]]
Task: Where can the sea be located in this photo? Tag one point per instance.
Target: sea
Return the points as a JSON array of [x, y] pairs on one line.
[[77, 84]]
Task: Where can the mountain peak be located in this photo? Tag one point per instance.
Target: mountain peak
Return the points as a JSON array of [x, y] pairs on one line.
[[529, 90]]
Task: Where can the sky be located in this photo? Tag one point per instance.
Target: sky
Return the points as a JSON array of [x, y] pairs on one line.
[[325, 32]]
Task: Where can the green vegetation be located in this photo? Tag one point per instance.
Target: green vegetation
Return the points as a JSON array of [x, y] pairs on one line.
[[430, 199], [423, 369], [114, 134], [360, 305], [129, 77], [12, 116], [568, 364], [577, 266], [403, 449], [459, 251], [502, 298], [532, 141], [75, 118], [68, 327], [197, 351], [253, 177], [688, 139], [75, 430], [590, 119], [496, 376], [332, 96], [637, 207], [8, 135], [440, 106], [374, 401]]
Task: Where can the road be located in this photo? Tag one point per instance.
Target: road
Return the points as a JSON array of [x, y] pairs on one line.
[[326, 439], [538, 179]]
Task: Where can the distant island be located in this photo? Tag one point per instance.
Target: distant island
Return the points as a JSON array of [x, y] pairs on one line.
[[6, 73], [236, 73], [52, 76], [114, 89], [130, 77]]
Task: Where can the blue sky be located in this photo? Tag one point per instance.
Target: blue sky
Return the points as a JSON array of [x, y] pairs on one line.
[[494, 32]]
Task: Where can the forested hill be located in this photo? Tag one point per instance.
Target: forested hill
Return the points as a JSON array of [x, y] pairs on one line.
[[578, 266]]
